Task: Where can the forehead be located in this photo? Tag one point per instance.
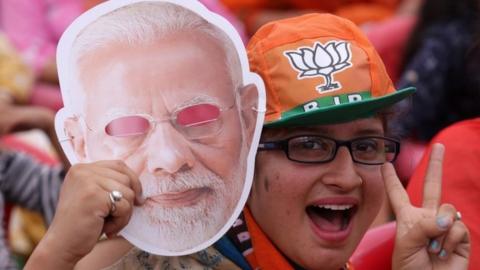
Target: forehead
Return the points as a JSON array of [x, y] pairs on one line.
[[176, 67], [167, 51], [361, 127]]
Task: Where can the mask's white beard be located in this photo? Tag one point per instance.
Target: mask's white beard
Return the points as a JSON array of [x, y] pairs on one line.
[[183, 228]]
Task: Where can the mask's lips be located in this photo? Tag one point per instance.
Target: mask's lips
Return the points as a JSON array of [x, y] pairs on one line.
[[331, 217]]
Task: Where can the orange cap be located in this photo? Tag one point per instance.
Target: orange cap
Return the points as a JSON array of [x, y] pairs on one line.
[[319, 69]]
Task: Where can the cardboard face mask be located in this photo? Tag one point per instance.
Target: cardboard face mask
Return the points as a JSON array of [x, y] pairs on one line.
[[164, 86]]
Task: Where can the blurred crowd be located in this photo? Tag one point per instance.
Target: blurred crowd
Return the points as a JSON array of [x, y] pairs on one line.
[[430, 44]]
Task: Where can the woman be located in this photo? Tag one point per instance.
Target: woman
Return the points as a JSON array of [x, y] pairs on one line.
[[320, 178]]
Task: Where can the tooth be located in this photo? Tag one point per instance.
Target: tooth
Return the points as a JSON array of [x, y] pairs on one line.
[[335, 207]]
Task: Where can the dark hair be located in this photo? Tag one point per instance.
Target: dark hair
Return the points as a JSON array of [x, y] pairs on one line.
[[434, 11], [386, 115], [468, 105]]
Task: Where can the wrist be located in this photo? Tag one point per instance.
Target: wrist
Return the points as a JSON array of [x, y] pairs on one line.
[[51, 254]]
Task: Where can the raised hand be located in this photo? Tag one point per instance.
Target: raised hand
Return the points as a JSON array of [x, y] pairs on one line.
[[15, 118], [430, 237], [85, 211]]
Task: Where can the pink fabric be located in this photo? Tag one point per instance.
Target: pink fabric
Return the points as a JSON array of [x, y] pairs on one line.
[[35, 26], [389, 39], [46, 95]]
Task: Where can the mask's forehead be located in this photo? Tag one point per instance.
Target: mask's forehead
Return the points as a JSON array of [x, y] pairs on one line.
[[168, 73]]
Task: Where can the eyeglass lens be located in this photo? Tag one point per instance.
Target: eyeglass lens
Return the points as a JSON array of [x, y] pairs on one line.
[[196, 120], [317, 149]]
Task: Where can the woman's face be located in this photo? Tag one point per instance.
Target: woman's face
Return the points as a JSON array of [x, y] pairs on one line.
[[316, 214]]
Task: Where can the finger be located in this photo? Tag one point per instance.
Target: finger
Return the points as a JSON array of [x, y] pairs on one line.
[[456, 241], [395, 192], [132, 179], [426, 229], [432, 187], [119, 218], [135, 185], [110, 185], [109, 173], [445, 217]]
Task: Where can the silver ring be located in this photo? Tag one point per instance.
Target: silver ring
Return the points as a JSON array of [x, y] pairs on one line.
[[458, 216], [114, 197]]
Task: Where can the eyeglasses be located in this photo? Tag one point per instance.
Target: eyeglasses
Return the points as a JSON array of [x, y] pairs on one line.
[[370, 150], [194, 121]]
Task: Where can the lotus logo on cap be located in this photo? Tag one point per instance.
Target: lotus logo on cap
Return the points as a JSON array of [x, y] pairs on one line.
[[321, 60]]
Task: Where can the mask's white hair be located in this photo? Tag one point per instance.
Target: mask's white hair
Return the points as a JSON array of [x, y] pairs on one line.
[[141, 24]]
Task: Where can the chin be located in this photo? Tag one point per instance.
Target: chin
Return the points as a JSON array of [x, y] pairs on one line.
[[175, 231], [328, 259]]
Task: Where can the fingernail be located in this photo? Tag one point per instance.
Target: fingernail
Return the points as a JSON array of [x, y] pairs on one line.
[[443, 222], [434, 245], [442, 254]]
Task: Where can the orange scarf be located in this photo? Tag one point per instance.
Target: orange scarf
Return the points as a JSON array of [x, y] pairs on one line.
[[265, 255]]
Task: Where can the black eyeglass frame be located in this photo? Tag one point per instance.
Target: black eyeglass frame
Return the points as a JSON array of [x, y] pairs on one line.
[[283, 145]]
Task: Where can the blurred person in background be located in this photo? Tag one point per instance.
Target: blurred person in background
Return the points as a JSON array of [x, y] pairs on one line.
[[437, 55], [23, 180]]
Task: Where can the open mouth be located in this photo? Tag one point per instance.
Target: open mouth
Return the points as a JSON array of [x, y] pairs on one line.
[[332, 221]]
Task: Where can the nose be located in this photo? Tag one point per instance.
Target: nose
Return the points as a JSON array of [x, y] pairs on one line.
[[342, 174], [168, 151]]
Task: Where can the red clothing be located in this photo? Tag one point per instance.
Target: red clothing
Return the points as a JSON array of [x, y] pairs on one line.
[[461, 177]]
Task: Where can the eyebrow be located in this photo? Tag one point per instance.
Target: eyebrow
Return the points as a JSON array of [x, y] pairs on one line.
[[198, 99], [370, 131], [360, 132], [120, 111]]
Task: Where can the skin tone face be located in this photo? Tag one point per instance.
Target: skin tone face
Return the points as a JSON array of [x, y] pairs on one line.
[[189, 184], [286, 192]]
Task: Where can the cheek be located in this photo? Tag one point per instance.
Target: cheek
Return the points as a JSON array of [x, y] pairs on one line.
[[278, 182], [373, 191], [105, 148], [97, 148], [222, 154], [101, 147]]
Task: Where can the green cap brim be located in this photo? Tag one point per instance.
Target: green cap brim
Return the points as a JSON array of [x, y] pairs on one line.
[[343, 112]]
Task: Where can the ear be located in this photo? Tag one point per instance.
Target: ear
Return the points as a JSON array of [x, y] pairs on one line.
[[76, 137], [248, 97]]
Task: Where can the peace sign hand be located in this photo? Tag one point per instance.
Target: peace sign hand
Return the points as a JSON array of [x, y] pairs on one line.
[[430, 237]]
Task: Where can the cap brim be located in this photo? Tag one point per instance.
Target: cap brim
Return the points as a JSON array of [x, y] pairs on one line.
[[343, 112]]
